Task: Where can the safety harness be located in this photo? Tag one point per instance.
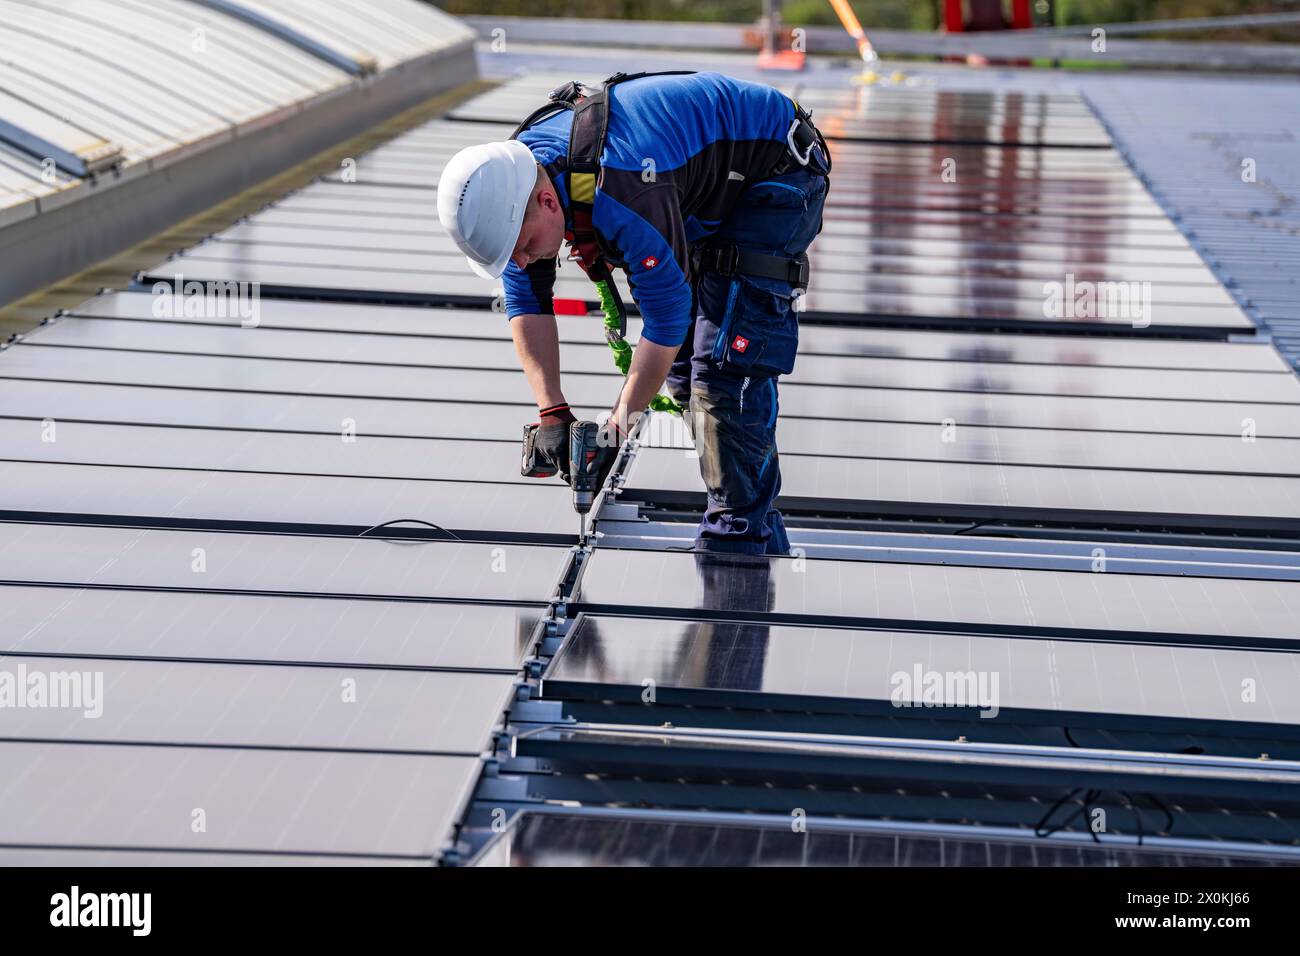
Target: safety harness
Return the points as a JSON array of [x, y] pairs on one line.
[[580, 171]]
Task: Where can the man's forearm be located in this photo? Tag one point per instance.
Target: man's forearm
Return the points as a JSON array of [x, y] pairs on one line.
[[650, 365], [537, 343]]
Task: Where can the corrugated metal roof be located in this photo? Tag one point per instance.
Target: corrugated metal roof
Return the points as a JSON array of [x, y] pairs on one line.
[[381, 32], [84, 63], [1224, 161], [127, 81]]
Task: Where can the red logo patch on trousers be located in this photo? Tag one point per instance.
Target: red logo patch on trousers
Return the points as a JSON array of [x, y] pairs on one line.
[[649, 262], [740, 343]]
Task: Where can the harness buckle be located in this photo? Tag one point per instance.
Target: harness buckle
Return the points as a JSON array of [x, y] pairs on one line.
[[800, 279], [801, 159], [727, 260], [567, 93]]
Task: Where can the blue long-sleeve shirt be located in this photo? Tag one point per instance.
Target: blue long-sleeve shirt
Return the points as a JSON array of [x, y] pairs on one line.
[[678, 152]]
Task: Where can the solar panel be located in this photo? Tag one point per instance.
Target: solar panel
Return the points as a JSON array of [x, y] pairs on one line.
[[928, 250], [648, 839], [930, 114], [359, 348], [68, 404], [813, 339], [195, 560], [957, 781], [1047, 174], [943, 246], [972, 232], [1119, 206], [837, 269], [824, 669], [847, 299], [128, 856], [170, 496], [1131, 203], [976, 311], [194, 534], [72, 621], [1040, 204], [108, 796], [1006, 201], [592, 356], [993, 224], [1067, 351], [977, 444], [342, 317], [128, 404], [986, 545], [426, 459], [1090, 413], [338, 277], [278, 272], [960, 376], [869, 486], [261, 705], [287, 377], [961, 598], [355, 389]]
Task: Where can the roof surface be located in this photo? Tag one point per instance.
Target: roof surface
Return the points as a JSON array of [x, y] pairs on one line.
[[282, 521]]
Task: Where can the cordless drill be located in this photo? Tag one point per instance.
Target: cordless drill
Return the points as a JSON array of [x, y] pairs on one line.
[[583, 443], [582, 452]]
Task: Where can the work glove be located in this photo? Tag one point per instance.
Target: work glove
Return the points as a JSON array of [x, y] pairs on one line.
[[552, 442]]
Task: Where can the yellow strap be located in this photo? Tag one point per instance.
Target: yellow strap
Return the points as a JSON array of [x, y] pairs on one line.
[[583, 187]]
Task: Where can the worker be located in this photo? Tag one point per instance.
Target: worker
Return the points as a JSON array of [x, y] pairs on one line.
[[708, 192]]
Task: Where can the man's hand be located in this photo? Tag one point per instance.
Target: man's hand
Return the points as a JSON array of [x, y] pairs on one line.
[[608, 443], [650, 365], [551, 444]]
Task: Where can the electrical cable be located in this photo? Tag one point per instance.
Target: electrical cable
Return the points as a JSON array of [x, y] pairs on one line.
[[428, 524]]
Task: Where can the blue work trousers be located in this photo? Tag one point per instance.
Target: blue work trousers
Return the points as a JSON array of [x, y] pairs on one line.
[[743, 338]]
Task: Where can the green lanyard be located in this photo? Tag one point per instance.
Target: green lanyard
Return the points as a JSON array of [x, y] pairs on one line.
[[614, 326]]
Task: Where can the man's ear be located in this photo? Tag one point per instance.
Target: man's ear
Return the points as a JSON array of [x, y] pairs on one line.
[[547, 199]]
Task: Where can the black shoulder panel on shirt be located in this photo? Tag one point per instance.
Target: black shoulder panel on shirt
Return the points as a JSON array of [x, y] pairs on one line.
[[541, 277]]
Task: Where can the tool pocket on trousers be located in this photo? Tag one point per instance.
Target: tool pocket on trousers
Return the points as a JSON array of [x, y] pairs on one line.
[[773, 193], [760, 331]]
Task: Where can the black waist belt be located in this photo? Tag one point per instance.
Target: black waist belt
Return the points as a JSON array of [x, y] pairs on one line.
[[732, 260]]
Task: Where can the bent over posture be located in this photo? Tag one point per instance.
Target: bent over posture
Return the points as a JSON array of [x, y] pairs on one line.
[[707, 191]]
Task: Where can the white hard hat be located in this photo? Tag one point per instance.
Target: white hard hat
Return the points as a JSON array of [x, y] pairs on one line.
[[482, 197]]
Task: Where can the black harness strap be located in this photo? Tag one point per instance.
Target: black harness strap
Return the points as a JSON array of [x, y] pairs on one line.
[[731, 260]]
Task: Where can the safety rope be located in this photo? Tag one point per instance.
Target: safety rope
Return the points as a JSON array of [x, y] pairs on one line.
[[623, 349]]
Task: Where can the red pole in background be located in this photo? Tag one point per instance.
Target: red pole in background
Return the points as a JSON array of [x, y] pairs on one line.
[[953, 21], [986, 15]]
